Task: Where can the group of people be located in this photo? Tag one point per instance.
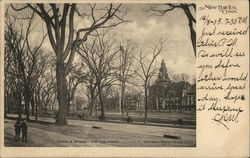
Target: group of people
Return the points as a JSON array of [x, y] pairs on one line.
[[21, 126]]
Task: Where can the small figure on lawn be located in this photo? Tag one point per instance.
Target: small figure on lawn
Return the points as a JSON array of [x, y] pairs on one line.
[[24, 127], [17, 129]]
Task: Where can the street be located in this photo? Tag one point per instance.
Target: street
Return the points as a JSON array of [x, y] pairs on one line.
[[81, 133]]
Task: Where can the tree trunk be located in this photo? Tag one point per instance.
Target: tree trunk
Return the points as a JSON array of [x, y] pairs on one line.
[[91, 107], [146, 104], [6, 104], [39, 101], [36, 101], [163, 104], [68, 102], [92, 95], [95, 104], [101, 102], [180, 104], [157, 104], [193, 36], [120, 105], [170, 107], [19, 105], [27, 101], [32, 102], [191, 28], [61, 94], [122, 99], [45, 107]]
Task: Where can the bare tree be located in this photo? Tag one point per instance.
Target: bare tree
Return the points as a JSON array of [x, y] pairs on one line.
[[127, 54], [101, 56], [13, 92], [48, 89], [64, 38], [75, 77], [147, 70], [25, 55], [13, 84], [189, 10], [181, 77], [44, 85], [91, 88]]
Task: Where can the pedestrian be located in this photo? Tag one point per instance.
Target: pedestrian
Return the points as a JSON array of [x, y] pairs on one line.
[[17, 129], [24, 131]]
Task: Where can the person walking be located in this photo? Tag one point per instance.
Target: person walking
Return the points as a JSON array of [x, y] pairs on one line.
[[24, 127], [17, 129]]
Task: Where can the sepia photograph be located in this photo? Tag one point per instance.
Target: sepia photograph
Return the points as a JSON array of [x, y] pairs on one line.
[[99, 75]]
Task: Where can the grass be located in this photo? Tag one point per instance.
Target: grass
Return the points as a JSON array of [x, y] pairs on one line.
[[121, 135]]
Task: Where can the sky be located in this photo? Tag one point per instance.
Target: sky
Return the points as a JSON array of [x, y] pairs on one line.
[[145, 28], [173, 27]]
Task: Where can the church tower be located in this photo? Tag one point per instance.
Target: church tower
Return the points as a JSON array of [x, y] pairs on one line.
[[163, 74]]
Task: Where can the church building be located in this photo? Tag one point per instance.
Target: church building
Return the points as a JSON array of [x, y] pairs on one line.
[[169, 95]]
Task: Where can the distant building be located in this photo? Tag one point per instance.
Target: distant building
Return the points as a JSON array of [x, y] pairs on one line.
[[167, 95], [112, 103], [77, 104], [131, 102], [191, 98], [164, 94], [134, 102]]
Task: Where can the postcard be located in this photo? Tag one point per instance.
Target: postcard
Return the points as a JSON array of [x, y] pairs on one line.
[[124, 78]]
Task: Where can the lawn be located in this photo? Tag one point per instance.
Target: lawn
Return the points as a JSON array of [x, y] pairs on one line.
[[82, 133]]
